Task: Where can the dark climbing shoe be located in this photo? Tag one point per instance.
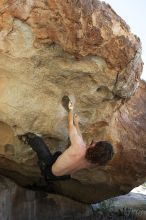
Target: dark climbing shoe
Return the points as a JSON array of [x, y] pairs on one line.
[[26, 137]]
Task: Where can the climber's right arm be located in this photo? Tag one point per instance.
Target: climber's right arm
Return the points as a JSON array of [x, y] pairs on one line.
[[75, 138]]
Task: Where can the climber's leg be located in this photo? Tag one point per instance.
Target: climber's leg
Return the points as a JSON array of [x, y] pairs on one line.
[[39, 146], [46, 159]]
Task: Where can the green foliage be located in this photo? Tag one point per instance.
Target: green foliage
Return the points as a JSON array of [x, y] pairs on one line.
[[106, 205], [125, 214]]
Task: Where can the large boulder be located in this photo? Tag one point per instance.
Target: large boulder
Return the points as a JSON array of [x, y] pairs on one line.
[[21, 204], [82, 49]]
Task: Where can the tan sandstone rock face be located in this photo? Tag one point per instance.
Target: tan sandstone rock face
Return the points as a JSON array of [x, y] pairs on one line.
[[83, 49]]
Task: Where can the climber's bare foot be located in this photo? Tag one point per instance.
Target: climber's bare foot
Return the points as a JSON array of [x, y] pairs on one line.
[[76, 119], [70, 105]]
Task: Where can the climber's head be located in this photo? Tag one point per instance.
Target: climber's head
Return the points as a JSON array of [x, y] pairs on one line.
[[99, 152]]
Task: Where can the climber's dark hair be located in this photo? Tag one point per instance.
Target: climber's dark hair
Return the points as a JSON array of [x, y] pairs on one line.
[[100, 153]]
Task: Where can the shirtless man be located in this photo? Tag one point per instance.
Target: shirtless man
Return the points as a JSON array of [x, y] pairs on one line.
[[79, 155]]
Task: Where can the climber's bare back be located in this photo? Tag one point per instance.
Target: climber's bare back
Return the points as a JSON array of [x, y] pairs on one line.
[[73, 158], [69, 162]]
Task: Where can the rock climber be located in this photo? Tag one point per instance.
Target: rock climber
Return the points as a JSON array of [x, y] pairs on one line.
[[60, 166]]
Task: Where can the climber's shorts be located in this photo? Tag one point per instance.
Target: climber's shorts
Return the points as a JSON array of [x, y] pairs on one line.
[[47, 170]]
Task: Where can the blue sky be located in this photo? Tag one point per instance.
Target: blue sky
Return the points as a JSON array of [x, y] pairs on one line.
[[134, 13]]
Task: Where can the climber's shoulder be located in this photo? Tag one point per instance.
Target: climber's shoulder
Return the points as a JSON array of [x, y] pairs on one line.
[[79, 148]]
